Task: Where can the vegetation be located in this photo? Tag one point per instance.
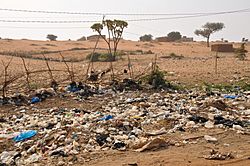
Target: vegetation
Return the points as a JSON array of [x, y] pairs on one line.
[[241, 52], [241, 85], [51, 37], [102, 57], [173, 56], [115, 30], [146, 38], [208, 29], [174, 36]]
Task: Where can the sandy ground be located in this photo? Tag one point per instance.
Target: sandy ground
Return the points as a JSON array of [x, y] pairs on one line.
[[196, 67]]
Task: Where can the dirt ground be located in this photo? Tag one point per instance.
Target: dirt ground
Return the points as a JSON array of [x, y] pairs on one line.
[[196, 67]]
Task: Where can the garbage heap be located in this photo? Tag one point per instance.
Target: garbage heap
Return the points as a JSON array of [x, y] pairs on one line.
[[132, 120]]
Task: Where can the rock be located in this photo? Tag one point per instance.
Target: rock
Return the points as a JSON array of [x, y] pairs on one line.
[[210, 139]]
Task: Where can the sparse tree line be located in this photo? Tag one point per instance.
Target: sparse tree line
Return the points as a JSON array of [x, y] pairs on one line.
[[207, 30]]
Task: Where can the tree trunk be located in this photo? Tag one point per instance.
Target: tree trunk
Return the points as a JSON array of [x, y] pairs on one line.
[[208, 41]]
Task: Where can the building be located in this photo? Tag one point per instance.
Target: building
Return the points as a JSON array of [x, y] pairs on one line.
[[186, 39]]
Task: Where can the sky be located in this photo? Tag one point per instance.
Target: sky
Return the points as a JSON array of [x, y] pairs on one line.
[[237, 25]]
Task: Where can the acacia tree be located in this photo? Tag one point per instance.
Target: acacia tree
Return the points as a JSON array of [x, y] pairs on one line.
[[115, 29], [208, 29], [51, 37]]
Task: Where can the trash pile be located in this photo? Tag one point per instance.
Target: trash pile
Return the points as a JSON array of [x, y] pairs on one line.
[[133, 120]]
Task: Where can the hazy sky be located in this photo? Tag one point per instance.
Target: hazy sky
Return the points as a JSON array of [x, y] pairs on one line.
[[237, 25]]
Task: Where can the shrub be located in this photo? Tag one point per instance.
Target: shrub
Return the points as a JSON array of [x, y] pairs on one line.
[[51, 37], [174, 36], [103, 57], [155, 78], [173, 56], [145, 38], [241, 52]]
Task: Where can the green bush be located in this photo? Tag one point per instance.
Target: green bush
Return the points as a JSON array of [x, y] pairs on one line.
[[173, 56], [104, 57], [155, 78]]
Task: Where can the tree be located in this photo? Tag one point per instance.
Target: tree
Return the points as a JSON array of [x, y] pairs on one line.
[[146, 37], [208, 29], [51, 37], [174, 36], [115, 30]]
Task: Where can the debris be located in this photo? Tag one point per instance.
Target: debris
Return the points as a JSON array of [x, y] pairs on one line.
[[158, 132], [155, 144], [209, 125], [33, 158], [119, 145], [110, 119], [198, 119], [238, 127], [230, 96], [35, 100], [107, 117], [132, 164], [216, 155], [58, 152], [227, 122], [208, 138], [25, 135], [101, 139]]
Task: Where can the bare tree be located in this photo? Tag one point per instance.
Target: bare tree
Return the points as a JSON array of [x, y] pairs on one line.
[[7, 80], [27, 72]]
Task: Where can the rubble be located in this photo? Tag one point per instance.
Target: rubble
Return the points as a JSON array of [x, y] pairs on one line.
[[155, 144], [119, 121], [216, 155]]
